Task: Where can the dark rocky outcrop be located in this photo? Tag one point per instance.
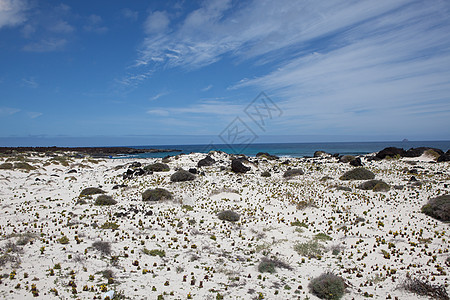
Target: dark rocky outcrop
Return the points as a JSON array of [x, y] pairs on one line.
[[293, 172], [157, 194], [229, 215], [182, 175], [238, 167], [444, 157], [206, 162], [265, 174], [346, 158], [157, 167], [105, 200], [391, 152], [438, 208], [266, 155], [416, 152], [193, 170], [92, 191], [358, 174], [356, 162], [321, 154], [375, 185]]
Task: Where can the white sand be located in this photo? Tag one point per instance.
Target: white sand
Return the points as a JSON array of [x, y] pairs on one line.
[[223, 256]]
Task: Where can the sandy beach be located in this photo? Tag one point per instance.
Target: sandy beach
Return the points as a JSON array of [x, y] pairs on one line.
[[57, 243]]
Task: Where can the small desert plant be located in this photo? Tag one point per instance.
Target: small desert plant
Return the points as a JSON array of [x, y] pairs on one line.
[[311, 249], [424, 288], [358, 174], [229, 215], [105, 200], [322, 237], [154, 252], [292, 173], [107, 273], [103, 247], [156, 194], [109, 225], [182, 175], [91, 191], [438, 208], [328, 286], [157, 167], [63, 240]]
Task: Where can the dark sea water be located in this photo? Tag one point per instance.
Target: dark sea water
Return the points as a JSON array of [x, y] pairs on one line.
[[295, 149]]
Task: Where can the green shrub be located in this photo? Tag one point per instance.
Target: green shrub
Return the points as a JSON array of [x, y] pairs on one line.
[[157, 167], [63, 240], [182, 175], [92, 191], [105, 200], [229, 215], [358, 174], [154, 252], [292, 173], [109, 225], [156, 195], [311, 249], [328, 286], [322, 237], [438, 208]]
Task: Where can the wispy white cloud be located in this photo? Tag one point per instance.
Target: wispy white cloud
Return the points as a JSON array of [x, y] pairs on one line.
[[30, 82], [8, 111], [157, 22], [130, 14], [46, 45], [158, 112], [12, 12], [207, 88], [159, 95], [94, 23], [34, 114]]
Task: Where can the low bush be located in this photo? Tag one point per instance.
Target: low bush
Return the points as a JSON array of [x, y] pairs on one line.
[[105, 200], [311, 249], [381, 187], [328, 286], [438, 208], [102, 247], [292, 173], [182, 175], [268, 265], [229, 215], [358, 174], [154, 252], [423, 288], [157, 167], [157, 194]]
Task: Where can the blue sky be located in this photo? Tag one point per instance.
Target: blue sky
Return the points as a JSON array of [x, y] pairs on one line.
[[148, 72]]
